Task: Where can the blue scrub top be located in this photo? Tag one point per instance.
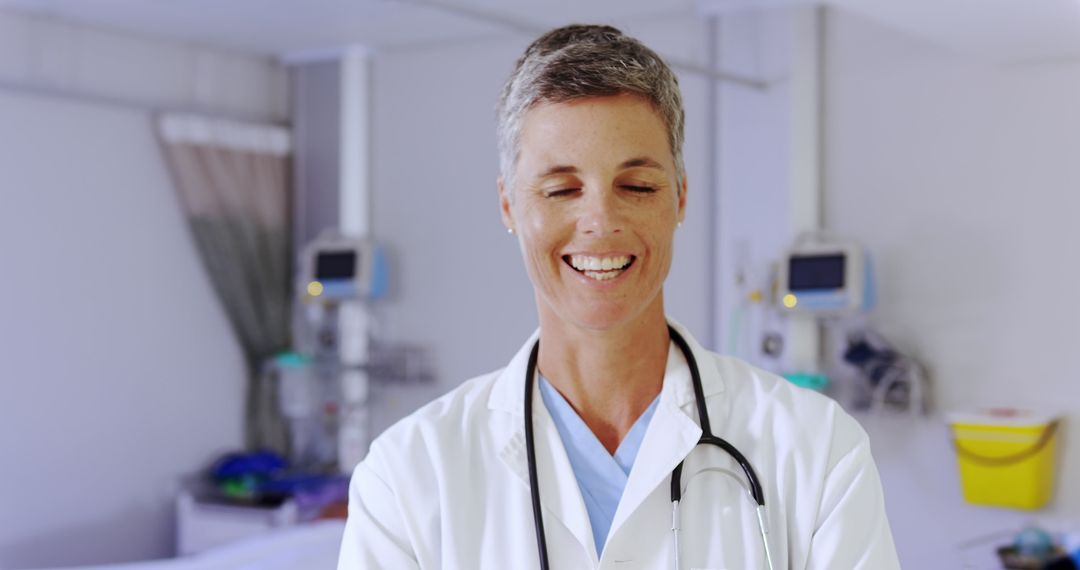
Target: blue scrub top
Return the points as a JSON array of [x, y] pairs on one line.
[[600, 475]]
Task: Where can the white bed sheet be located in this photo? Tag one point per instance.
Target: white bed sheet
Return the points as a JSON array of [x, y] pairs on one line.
[[312, 546]]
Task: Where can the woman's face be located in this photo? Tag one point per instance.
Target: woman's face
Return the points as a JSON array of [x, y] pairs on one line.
[[594, 204]]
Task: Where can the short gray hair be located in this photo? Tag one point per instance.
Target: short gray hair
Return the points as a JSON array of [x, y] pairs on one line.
[[581, 61]]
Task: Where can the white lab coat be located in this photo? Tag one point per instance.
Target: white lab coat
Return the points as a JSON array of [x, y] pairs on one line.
[[448, 486]]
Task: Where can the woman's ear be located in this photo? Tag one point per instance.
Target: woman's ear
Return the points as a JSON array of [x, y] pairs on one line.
[[682, 199], [504, 204]]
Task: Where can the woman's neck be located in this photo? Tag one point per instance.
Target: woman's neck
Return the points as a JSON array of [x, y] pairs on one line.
[[609, 377]]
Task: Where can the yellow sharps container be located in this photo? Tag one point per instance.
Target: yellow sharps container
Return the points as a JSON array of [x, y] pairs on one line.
[[1006, 456]]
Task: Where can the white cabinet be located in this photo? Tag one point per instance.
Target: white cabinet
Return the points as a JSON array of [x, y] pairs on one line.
[[203, 525]]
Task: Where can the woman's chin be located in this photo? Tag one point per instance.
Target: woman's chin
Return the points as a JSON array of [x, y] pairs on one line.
[[599, 313], [601, 317]]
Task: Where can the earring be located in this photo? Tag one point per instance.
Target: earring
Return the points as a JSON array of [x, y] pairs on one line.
[[510, 230], [678, 225]]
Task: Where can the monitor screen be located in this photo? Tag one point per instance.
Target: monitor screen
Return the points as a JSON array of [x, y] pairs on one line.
[[816, 272], [335, 265]]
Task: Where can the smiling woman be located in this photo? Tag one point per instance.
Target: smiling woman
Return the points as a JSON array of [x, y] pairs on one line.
[[592, 184], [595, 205]]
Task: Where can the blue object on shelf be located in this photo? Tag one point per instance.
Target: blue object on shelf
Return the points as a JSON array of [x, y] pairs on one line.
[[813, 381], [260, 464]]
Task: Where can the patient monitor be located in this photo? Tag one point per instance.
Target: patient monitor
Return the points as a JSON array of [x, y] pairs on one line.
[[825, 277], [337, 268], [338, 278]]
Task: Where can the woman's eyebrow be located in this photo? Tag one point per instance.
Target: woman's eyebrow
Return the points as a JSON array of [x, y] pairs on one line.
[[638, 162], [641, 161], [559, 169]]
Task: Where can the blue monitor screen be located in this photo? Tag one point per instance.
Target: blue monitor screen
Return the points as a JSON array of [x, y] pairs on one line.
[[815, 272]]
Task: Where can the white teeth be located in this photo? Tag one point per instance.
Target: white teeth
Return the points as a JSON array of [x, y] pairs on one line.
[[600, 268], [589, 263]]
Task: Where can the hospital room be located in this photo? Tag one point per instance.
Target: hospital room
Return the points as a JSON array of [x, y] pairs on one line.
[[358, 284]]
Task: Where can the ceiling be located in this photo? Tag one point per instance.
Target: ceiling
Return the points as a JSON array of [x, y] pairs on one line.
[[290, 28], [1002, 30]]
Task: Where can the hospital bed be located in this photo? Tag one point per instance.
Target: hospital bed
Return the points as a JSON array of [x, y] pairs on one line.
[[311, 546]]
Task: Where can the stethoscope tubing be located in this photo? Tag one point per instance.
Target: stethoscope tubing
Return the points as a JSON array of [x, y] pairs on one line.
[[530, 448], [707, 437]]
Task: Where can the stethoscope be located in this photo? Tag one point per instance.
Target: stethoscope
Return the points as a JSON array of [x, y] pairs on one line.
[[707, 437]]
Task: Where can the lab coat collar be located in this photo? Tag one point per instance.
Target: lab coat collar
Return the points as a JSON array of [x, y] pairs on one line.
[[508, 393], [559, 493], [672, 434], [673, 431]]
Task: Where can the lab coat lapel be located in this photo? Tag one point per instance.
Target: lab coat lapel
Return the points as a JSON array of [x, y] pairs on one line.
[[560, 495], [673, 432]]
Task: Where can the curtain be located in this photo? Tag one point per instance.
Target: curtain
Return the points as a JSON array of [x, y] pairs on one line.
[[233, 183]]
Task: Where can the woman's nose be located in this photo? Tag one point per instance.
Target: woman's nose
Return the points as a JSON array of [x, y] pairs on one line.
[[600, 214]]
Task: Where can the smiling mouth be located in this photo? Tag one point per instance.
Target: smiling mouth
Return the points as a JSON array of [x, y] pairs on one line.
[[599, 268]]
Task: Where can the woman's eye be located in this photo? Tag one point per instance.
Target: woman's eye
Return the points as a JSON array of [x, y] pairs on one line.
[[639, 188], [560, 192]]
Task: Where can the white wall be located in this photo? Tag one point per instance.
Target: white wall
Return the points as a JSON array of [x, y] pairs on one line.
[[118, 369], [461, 287], [961, 177]]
